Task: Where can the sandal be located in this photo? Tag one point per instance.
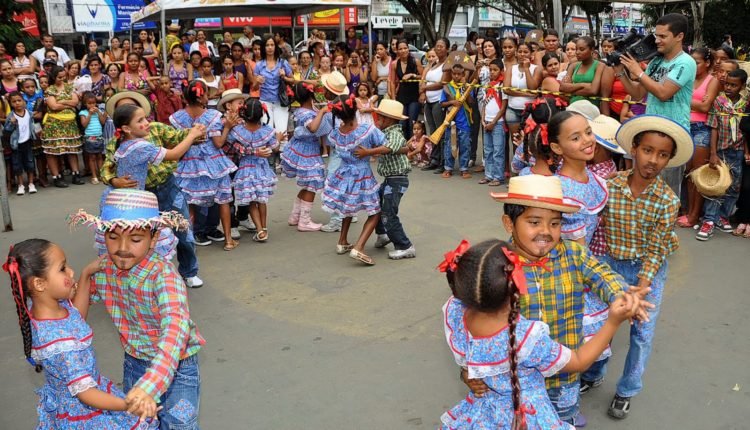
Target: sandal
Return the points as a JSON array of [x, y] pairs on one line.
[[747, 232], [484, 181], [740, 230], [495, 183], [261, 235], [447, 174], [231, 245], [343, 249], [362, 257], [466, 175], [684, 222]]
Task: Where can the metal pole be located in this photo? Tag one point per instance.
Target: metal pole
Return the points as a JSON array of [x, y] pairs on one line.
[[558, 18], [294, 27], [7, 222], [163, 40], [369, 26], [342, 27]]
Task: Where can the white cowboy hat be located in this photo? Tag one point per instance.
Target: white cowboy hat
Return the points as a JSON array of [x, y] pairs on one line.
[[585, 108], [138, 98], [391, 109], [631, 128], [335, 82], [605, 128], [229, 95], [536, 191]]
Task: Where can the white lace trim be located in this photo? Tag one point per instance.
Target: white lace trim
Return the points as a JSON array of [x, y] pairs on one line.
[[559, 363], [595, 318], [82, 385], [59, 347]]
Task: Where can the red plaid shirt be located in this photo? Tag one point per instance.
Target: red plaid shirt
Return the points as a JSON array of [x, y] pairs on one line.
[[598, 244], [148, 305]]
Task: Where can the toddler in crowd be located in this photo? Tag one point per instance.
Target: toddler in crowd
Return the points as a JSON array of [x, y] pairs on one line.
[[93, 120], [420, 147]]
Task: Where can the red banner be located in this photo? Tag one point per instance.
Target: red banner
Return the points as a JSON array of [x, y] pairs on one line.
[[29, 22], [258, 21]]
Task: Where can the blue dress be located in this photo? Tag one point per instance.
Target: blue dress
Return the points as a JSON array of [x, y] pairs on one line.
[[487, 358], [203, 172], [352, 187], [63, 348], [254, 180], [301, 157]]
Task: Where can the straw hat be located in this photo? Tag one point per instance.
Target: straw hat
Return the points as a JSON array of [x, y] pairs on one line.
[[605, 128], [629, 129], [138, 98], [585, 108], [391, 109], [536, 191], [229, 95], [173, 27], [712, 182], [335, 82]]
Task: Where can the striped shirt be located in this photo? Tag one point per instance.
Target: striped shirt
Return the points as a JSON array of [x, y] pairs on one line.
[[641, 228], [394, 164], [556, 285], [148, 305]]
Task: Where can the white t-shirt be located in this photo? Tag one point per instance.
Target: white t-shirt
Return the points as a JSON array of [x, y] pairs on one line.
[[24, 126], [492, 108], [518, 80], [434, 76], [62, 56]]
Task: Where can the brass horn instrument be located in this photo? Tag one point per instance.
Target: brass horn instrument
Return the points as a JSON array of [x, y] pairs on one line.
[[437, 135]]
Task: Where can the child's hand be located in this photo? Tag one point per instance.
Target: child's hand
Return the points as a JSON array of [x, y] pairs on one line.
[[623, 308], [714, 161], [13, 119], [518, 138], [197, 131], [477, 386], [361, 152], [264, 152], [231, 119], [92, 267], [280, 136], [140, 403]]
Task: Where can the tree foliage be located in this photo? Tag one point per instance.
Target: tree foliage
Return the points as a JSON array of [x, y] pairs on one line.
[[424, 12], [11, 31]]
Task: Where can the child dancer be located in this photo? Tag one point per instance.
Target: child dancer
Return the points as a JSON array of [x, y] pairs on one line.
[[203, 173], [511, 354], [365, 103], [20, 124], [639, 221], [255, 180], [352, 187], [57, 339], [146, 299], [93, 120], [35, 104], [536, 150], [453, 91], [493, 112], [302, 157], [420, 147]]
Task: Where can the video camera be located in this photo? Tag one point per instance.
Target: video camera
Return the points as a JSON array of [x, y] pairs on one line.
[[639, 47]]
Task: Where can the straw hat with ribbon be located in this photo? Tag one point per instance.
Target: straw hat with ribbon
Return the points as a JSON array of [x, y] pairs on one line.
[[537, 191], [605, 129], [681, 136], [391, 109], [130, 209], [137, 98], [335, 82], [712, 182], [228, 96]]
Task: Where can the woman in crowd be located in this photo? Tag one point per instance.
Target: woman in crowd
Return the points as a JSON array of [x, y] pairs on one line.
[[113, 71], [584, 77], [149, 48], [523, 75], [240, 66], [407, 93], [230, 79], [177, 71], [132, 79], [73, 70], [24, 66], [270, 73], [115, 54], [306, 69], [60, 134], [194, 66], [9, 82], [93, 52], [99, 81], [509, 46], [551, 65], [380, 70], [213, 82], [352, 41], [205, 47], [355, 72]]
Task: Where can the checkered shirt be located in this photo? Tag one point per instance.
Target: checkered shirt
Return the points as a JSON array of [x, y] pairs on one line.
[[724, 124], [598, 244], [148, 305], [161, 135], [641, 228], [394, 164], [556, 285]]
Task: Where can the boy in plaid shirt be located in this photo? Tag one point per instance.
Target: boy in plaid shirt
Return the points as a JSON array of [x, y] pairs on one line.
[[727, 146], [147, 301], [639, 224]]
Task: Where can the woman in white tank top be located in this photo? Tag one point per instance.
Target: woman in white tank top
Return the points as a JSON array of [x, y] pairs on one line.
[[432, 89], [380, 69], [522, 75]]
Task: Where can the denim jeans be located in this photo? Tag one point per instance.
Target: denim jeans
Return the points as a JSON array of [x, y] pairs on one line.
[[494, 152], [641, 333], [566, 401], [391, 191], [23, 158], [181, 402], [334, 161], [206, 219], [434, 116], [464, 148], [412, 111], [723, 206], [171, 198]]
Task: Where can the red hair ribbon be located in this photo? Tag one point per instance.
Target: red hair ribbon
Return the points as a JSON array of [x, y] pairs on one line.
[[198, 90], [185, 82], [538, 101], [521, 414], [530, 125], [545, 138], [335, 106], [350, 101], [11, 267], [289, 91], [264, 107], [118, 133], [451, 257], [516, 273], [308, 87]]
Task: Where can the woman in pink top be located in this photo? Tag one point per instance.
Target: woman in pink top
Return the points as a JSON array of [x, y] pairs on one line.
[[705, 90]]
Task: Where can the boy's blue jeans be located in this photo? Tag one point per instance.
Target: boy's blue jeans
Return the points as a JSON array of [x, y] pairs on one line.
[[641, 333], [723, 206], [566, 401], [391, 191], [464, 149], [181, 401], [494, 152]]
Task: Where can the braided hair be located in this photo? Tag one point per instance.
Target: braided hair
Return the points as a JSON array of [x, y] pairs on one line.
[[253, 111], [30, 258], [344, 107], [482, 282]]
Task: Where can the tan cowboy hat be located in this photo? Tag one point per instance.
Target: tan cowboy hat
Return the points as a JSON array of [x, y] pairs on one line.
[[173, 27], [391, 109], [536, 191], [585, 108], [229, 95], [138, 98], [712, 182], [631, 128], [605, 128], [335, 82]]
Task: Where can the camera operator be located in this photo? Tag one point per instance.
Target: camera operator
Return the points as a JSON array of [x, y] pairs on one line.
[[667, 82]]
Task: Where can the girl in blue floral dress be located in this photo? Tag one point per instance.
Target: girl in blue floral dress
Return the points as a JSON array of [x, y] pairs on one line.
[[203, 173], [255, 180], [57, 339], [302, 157], [352, 187], [511, 354]]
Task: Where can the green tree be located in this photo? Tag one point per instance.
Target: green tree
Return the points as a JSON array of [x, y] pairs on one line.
[[11, 31], [424, 12], [593, 9]]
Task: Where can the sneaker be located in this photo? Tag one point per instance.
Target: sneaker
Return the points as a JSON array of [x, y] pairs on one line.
[[77, 179], [706, 231], [248, 225], [355, 219], [331, 227], [21, 190], [587, 386], [216, 236], [32, 189], [579, 421], [202, 240], [194, 282], [235, 233], [724, 225], [398, 254], [619, 408], [382, 241]]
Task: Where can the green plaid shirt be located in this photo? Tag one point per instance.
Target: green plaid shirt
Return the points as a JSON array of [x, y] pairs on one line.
[[161, 135], [394, 164], [556, 284]]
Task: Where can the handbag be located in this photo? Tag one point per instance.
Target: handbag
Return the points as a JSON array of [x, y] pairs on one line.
[[284, 100]]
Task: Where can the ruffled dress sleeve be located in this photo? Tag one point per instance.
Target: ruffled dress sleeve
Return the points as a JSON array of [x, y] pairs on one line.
[[545, 355], [141, 151], [455, 331]]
